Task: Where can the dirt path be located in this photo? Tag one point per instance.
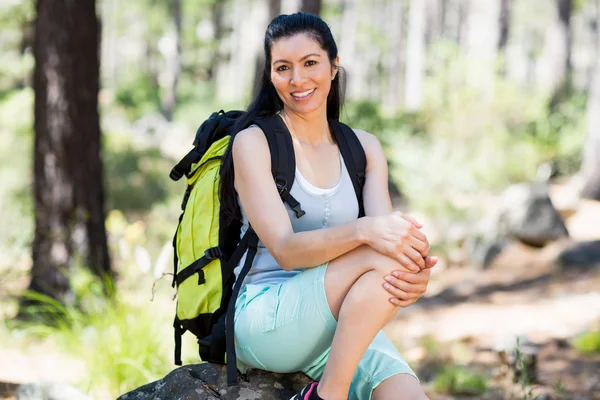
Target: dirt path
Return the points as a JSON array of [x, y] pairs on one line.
[[522, 295]]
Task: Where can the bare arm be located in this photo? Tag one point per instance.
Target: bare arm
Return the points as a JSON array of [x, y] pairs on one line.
[[269, 218]]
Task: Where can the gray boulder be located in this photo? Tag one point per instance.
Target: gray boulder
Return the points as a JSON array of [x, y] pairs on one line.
[[581, 255], [529, 216], [209, 381]]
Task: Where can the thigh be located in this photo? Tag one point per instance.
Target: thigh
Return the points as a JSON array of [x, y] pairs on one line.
[[285, 327]]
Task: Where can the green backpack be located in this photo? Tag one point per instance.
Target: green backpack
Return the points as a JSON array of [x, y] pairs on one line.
[[207, 246]]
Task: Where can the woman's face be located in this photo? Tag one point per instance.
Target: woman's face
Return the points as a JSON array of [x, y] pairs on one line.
[[301, 73]]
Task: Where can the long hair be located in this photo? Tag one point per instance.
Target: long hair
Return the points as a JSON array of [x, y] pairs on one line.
[[267, 102]]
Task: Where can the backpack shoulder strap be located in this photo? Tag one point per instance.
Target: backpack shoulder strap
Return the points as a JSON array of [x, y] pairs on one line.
[[354, 158], [283, 159]]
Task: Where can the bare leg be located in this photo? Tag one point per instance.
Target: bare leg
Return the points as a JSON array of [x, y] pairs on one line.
[[401, 386], [353, 284]]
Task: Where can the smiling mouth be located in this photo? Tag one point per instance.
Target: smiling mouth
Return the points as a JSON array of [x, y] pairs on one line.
[[303, 95]]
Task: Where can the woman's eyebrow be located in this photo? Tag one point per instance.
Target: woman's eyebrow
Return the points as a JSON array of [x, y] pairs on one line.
[[302, 59]]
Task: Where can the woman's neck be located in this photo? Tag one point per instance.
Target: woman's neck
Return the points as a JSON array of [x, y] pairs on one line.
[[312, 129]]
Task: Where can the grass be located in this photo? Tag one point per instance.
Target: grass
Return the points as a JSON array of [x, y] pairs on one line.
[[122, 346], [588, 342], [460, 380]]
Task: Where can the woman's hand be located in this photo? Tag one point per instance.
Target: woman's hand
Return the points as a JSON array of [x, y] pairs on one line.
[[407, 287], [398, 236]]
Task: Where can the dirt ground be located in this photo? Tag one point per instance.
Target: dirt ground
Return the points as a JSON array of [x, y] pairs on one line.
[[522, 294]]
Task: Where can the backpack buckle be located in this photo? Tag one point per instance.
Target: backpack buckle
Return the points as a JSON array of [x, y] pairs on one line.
[[281, 185], [176, 174], [298, 210], [213, 253]]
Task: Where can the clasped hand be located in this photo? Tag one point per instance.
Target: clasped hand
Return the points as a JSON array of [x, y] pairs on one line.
[[399, 236]]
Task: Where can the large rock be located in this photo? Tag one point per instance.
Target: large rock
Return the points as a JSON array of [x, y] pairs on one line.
[[582, 255], [209, 381], [529, 216]]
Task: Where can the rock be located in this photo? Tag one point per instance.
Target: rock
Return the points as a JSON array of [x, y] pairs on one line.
[[529, 216], [49, 391], [482, 252], [209, 381], [581, 255]]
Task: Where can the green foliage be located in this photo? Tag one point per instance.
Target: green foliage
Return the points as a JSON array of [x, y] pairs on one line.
[[136, 177], [524, 379], [460, 381], [138, 96], [15, 63], [16, 197], [588, 342], [121, 343]]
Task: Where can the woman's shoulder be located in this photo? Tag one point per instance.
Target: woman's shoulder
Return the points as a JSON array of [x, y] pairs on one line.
[[250, 146], [368, 141]]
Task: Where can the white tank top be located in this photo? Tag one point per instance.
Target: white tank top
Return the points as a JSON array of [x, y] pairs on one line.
[[324, 208]]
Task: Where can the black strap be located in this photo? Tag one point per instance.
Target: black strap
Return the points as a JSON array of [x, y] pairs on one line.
[[175, 258], [283, 159], [179, 331], [196, 267], [354, 158], [183, 167], [229, 326]]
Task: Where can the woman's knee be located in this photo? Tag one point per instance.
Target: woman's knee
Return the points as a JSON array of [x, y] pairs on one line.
[[375, 261], [406, 385]]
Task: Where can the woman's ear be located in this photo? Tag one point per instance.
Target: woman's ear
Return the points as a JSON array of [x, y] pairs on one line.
[[335, 67]]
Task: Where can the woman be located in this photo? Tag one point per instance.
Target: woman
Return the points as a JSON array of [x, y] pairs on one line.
[[322, 287]]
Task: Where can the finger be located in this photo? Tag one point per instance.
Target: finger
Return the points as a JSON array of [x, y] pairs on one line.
[[404, 286], [413, 255], [402, 303], [421, 277], [408, 263], [397, 293], [412, 220], [419, 245], [414, 231], [430, 262]]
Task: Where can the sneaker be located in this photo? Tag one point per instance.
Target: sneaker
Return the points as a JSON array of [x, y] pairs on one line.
[[306, 391]]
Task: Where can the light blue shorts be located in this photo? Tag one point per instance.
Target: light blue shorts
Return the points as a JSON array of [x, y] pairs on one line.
[[288, 327]]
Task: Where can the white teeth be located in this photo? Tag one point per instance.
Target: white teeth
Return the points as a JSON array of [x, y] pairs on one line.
[[303, 94]]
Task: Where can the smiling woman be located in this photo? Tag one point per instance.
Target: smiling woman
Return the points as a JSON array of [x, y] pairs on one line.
[[322, 284]]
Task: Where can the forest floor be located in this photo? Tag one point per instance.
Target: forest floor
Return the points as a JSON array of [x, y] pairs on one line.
[[471, 315]]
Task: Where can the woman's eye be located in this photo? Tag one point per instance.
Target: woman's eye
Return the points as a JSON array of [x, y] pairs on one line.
[[281, 68], [311, 62]]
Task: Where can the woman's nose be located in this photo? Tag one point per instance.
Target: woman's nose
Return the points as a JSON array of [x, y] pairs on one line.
[[297, 76]]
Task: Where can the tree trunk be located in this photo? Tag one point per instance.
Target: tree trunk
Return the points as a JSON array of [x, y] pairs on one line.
[[173, 65], [274, 10], [311, 6], [347, 47], [393, 59], [415, 56], [68, 171], [505, 16], [564, 80], [217, 21], [505, 19], [462, 25], [590, 168]]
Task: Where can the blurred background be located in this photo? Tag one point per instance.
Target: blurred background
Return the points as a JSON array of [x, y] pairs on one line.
[[489, 112]]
